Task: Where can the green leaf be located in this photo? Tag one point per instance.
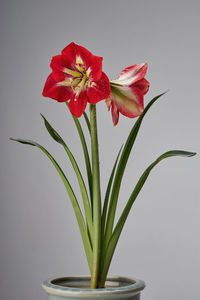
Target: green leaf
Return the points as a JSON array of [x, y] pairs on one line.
[[54, 134], [120, 170], [86, 154], [118, 229], [87, 121], [107, 194], [72, 197]]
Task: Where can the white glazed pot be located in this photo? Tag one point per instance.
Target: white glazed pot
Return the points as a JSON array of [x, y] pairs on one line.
[[77, 288]]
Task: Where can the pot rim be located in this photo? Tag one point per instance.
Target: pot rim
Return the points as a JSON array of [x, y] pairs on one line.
[[128, 286]]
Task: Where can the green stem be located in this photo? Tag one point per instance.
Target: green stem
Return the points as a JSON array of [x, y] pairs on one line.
[[96, 199]]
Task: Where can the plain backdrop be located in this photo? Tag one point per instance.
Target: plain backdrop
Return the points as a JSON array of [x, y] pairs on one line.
[[39, 237]]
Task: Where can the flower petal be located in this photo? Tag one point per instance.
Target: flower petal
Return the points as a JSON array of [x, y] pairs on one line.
[[143, 85], [131, 74], [59, 76], [132, 104], [100, 90], [75, 53], [108, 103], [95, 70], [126, 100], [114, 110], [115, 113], [59, 62], [53, 90], [78, 105]]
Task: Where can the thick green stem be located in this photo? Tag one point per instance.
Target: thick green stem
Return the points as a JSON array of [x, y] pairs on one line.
[[96, 199]]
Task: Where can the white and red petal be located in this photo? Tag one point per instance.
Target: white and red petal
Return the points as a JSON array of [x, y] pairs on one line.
[[100, 90], [131, 74], [115, 113], [55, 91], [78, 105], [143, 85], [108, 103], [126, 100], [131, 105]]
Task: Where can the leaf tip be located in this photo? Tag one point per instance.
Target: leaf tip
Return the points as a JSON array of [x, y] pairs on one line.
[[192, 154], [42, 116]]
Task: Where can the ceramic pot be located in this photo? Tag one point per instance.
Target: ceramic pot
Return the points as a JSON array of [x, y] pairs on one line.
[[77, 288]]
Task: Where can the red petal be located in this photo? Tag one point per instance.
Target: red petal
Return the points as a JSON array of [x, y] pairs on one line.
[[131, 74], [78, 106], [143, 85], [55, 91], [100, 91], [73, 50], [59, 76], [58, 65], [96, 69], [59, 62]]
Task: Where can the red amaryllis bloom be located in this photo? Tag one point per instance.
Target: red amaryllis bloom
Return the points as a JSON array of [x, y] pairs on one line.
[[77, 76], [127, 92]]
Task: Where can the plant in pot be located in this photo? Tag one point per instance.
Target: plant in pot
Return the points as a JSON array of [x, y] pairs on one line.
[[77, 79]]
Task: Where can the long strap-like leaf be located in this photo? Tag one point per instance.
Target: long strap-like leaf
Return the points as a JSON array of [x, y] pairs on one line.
[[88, 214], [72, 197], [107, 195], [87, 121], [118, 229], [86, 154], [120, 171]]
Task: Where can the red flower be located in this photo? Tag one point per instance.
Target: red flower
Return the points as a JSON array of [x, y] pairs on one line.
[[77, 76], [127, 92]]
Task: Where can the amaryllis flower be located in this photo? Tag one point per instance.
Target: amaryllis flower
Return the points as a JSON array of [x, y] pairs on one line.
[[127, 92], [77, 76]]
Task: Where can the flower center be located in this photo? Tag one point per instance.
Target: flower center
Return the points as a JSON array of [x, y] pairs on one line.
[[79, 78], [80, 86]]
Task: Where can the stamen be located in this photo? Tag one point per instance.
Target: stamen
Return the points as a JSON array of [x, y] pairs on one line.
[[76, 81], [80, 68], [81, 85], [88, 72], [66, 82], [72, 72]]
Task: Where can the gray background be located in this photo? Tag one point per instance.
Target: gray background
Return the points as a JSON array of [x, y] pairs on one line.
[[39, 237]]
